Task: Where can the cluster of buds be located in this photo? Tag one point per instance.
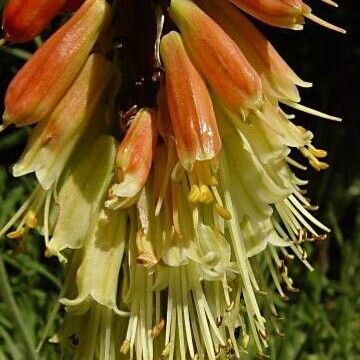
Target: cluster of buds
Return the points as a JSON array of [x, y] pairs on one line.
[[170, 239]]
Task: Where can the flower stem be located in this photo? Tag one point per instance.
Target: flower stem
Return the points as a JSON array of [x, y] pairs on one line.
[[9, 300]]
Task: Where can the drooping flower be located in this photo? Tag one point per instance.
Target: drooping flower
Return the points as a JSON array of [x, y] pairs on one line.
[[218, 57], [134, 159], [190, 107], [166, 240], [53, 140], [278, 79], [36, 89]]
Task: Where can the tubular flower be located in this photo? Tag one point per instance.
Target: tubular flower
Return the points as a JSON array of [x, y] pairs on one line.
[[190, 105], [169, 240], [218, 57], [36, 89], [278, 79], [53, 140], [134, 158]]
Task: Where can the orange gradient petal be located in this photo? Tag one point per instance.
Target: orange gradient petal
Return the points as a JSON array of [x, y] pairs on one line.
[[218, 57], [190, 106], [42, 82]]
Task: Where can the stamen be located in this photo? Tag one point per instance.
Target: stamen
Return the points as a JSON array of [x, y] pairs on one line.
[[205, 196], [300, 218], [158, 328], [195, 331], [185, 308], [226, 291], [310, 111], [224, 213], [324, 23], [17, 234], [307, 214], [31, 220], [46, 218], [166, 352], [179, 313], [295, 164], [194, 194], [21, 211], [125, 347], [319, 153], [313, 161], [331, 3], [318, 165]]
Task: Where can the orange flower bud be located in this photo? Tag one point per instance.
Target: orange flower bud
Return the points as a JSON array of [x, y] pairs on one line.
[[279, 80], [190, 106], [41, 83], [23, 20], [218, 57], [282, 13], [135, 154]]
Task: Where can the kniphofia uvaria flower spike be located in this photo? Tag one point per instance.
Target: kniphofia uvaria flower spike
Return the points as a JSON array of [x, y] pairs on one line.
[[166, 174]]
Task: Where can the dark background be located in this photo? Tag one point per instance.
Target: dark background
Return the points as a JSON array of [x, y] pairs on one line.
[[323, 320]]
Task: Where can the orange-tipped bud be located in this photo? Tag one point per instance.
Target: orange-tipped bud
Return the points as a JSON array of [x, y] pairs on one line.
[[135, 154], [190, 106], [72, 5], [218, 57], [282, 13], [41, 83], [279, 80], [25, 19]]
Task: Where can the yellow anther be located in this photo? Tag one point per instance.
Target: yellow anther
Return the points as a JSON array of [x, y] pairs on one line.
[[319, 153], [205, 196], [166, 352], [31, 220], [230, 307], [17, 234], [194, 194], [318, 165], [223, 212], [213, 181], [245, 340], [155, 332], [125, 347]]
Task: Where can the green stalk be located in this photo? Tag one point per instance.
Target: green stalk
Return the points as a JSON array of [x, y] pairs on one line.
[[8, 298]]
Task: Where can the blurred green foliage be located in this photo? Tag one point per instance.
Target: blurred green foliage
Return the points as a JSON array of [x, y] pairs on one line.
[[322, 322]]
